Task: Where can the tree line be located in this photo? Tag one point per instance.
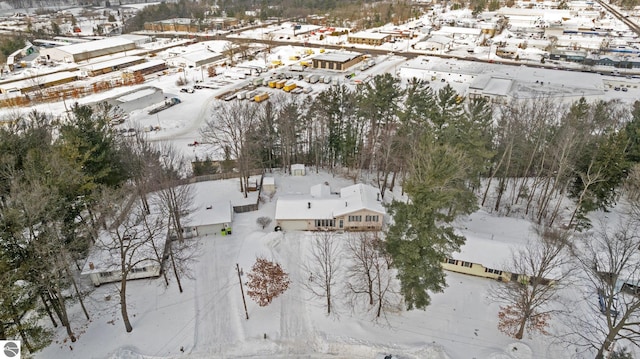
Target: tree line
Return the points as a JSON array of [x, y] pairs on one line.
[[68, 184], [522, 157]]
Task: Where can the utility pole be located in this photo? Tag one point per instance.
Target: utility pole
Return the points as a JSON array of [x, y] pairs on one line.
[[242, 291]]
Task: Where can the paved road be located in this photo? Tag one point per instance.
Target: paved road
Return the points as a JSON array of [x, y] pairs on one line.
[[632, 25]]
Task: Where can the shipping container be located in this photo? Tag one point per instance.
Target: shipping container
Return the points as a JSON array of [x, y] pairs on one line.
[[280, 84]]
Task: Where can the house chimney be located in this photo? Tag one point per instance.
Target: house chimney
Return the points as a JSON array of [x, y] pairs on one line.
[[91, 266], [346, 204], [378, 196], [308, 204]]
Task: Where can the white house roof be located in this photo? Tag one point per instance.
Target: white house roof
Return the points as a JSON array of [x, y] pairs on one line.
[[491, 253], [297, 166], [305, 207], [209, 208], [360, 197], [458, 30], [215, 213], [320, 190], [497, 86], [351, 199]]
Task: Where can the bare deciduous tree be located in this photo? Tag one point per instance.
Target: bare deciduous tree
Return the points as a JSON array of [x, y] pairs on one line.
[[611, 267], [230, 129], [176, 200], [323, 266], [369, 275], [263, 221], [527, 303], [133, 238]]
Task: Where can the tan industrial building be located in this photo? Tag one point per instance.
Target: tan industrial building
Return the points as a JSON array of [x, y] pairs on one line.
[[368, 38], [339, 61]]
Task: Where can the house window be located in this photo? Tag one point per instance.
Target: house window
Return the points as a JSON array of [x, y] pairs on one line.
[[452, 261], [466, 264], [324, 222], [371, 218], [493, 271], [105, 274], [137, 270], [355, 218]]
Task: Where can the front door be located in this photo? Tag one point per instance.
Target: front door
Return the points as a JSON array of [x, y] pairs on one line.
[[341, 223]]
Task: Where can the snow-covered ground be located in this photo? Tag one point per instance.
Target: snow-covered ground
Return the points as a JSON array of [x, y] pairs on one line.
[[208, 319]]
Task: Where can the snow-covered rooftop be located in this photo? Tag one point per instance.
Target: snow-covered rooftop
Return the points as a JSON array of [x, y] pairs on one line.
[[320, 204], [110, 63], [95, 45]]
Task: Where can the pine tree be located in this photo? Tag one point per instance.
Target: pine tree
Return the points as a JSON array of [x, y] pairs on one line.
[[420, 238]]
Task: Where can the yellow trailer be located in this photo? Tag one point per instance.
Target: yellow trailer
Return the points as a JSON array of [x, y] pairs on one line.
[[261, 97], [272, 83], [289, 86], [280, 84]]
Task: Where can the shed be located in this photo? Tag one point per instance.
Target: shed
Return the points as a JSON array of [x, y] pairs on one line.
[[297, 170], [268, 184]]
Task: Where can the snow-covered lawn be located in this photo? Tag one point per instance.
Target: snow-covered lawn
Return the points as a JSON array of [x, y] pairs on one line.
[[208, 319]]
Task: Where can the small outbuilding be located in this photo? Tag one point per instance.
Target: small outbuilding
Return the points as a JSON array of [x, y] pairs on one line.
[[298, 169], [268, 184]]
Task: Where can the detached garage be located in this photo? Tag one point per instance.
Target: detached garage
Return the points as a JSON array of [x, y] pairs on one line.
[[212, 219]]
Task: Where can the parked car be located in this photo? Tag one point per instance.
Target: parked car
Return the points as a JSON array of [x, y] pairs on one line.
[[187, 90]]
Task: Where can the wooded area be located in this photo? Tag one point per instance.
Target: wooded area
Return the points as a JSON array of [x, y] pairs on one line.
[[65, 187]]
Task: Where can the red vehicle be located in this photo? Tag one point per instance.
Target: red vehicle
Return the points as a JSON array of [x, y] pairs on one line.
[[76, 29]]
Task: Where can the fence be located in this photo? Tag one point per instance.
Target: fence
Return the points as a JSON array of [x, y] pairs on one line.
[[221, 176]]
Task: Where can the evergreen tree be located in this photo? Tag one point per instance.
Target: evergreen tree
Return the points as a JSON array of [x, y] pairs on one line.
[[420, 237]]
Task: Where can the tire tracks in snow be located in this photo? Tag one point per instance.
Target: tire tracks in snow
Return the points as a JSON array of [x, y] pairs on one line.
[[296, 332], [216, 284]]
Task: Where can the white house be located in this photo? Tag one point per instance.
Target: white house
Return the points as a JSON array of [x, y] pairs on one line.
[[356, 208], [143, 258]]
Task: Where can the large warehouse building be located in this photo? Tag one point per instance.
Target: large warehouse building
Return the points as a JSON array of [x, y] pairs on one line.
[[336, 60], [88, 50]]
